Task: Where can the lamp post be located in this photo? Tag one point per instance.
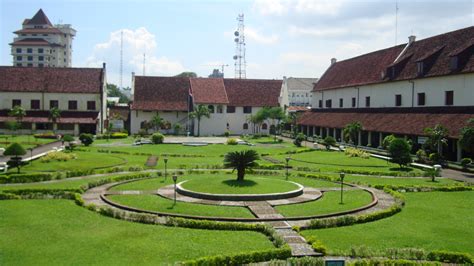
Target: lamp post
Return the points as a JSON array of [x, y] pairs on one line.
[[166, 166], [175, 178], [342, 175], [287, 166]]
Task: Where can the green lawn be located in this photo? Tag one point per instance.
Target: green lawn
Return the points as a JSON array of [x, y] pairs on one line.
[[27, 141], [400, 181], [329, 203], [57, 232], [218, 184], [160, 204], [430, 220]]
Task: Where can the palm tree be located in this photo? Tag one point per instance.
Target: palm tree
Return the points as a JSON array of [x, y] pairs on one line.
[[18, 112], [351, 132], [240, 161], [54, 116], [437, 137], [199, 112], [156, 122]]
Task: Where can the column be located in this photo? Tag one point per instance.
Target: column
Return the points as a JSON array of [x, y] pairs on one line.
[[314, 131], [55, 127], [458, 151], [33, 126], [341, 134], [327, 131], [76, 129], [359, 138], [380, 139], [369, 138], [320, 132], [334, 133], [307, 131]]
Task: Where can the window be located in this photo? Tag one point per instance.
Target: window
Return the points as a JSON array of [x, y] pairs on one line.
[[35, 104], [367, 101], [320, 104], [30, 64], [53, 104], [353, 102], [211, 108], [449, 97], [16, 102], [19, 58], [40, 65], [328, 103], [40, 58], [40, 50], [30, 58], [264, 126], [247, 109], [72, 105], [90, 105], [420, 68], [220, 109], [18, 50], [230, 109], [29, 50], [341, 102], [421, 98], [246, 126], [18, 64], [398, 100]]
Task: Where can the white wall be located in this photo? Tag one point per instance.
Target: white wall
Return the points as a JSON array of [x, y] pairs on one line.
[[383, 95], [63, 99], [137, 117]]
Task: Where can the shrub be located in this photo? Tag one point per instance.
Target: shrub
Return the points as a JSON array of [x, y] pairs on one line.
[[157, 138], [26, 178], [387, 141], [227, 133], [450, 257], [299, 139], [465, 162], [58, 156], [317, 245], [86, 139], [49, 135], [232, 141], [328, 142], [421, 156], [399, 150], [118, 135], [15, 150], [434, 157], [353, 152], [242, 258]]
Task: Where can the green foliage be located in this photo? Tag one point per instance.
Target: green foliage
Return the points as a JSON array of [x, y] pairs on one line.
[[227, 133], [317, 245], [8, 196], [465, 162], [328, 142], [241, 161], [26, 178], [299, 139], [157, 138], [118, 135], [242, 258], [199, 112], [232, 141], [437, 138], [69, 139], [114, 91], [156, 121], [48, 135], [354, 152], [12, 125], [387, 141], [351, 132], [58, 156], [86, 139], [18, 112], [450, 257], [399, 150], [421, 156], [15, 150], [389, 262], [54, 114], [434, 157], [467, 136], [187, 74]]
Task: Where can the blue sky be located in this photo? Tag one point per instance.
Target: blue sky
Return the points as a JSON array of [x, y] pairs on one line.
[[284, 38]]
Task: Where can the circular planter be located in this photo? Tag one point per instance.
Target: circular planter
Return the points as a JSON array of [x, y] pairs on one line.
[[240, 197]]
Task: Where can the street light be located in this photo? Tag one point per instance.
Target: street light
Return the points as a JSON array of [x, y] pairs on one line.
[[166, 166], [342, 175], [287, 167], [175, 178]]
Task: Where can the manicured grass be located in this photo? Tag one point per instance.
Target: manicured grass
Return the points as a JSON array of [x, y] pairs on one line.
[[27, 141], [400, 181], [430, 220], [57, 232], [329, 203], [160, 204], [218, 184]]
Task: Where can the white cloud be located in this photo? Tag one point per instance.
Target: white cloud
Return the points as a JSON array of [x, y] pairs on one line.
[[270, 7], [313, 7], [254, 35], [318, 32], [135, 43]]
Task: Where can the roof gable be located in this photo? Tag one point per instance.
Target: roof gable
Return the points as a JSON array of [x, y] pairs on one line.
[[161, 93], [39, 18], [253, 92], [208, 90]]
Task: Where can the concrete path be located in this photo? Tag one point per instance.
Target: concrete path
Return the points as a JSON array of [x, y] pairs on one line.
[[458, 175], [37, 152]]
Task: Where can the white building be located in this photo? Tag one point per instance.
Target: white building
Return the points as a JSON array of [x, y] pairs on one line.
[[40, 44], [297, 91], [79, 93], [231, 102], [399, 90]]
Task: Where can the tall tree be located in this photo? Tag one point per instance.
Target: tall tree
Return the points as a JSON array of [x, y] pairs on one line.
[[275, 114], [156, 122], [437, 138], [18, 112], [199, 112], [241, 161], [399, 150], [54, 116], [114, 91], [467, 136], [351, 132], [186, 75], [16, 151]]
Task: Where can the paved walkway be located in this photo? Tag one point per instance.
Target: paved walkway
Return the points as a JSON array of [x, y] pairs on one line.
[[458, 175], [37, 152]]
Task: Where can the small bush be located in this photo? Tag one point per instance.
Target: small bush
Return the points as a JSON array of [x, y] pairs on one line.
[[450, 257], [118, 135], [227, 133], [353, 152], [86, 139], [465, 162], [317, 246], [58, 156], [232, 141], [329, 141], [299, 139], [26, 178], [49, 135], [421, 156], [157, 138], [434, 157]]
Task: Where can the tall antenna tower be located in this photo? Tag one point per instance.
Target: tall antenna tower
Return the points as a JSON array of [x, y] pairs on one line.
[[396, 22], [121, 59], [239, 57]]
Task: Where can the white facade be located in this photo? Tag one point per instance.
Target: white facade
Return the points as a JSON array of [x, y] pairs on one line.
[[7, 98], [384, 94], [137, 117], [297, 91]]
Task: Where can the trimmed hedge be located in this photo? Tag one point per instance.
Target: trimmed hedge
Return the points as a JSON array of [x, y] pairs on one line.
[[242, 258], [426, 188], [450, 257], [389, 262], [8, 196], [26, 178]]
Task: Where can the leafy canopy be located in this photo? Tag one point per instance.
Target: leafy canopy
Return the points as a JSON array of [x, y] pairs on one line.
[[240, 161], [399, 150]]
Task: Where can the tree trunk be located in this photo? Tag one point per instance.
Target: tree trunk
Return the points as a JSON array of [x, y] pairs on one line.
[[199, 127], [240, 174]]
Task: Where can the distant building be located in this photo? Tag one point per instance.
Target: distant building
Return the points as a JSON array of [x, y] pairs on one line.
[[79, 93], [40, 44], [297, 91], [216, 74]]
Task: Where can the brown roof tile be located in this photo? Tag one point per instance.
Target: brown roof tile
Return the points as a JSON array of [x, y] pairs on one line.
[[161, 93], [208, 90], [253, 92], [62, 80]]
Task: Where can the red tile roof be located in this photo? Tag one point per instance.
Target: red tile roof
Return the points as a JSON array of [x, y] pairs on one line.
[[161, 93], [208, 90], [297, 108], [406, 121], [67, 117], [33, 42], [370, 68], [38, 31], [62, 80], [253, 92]]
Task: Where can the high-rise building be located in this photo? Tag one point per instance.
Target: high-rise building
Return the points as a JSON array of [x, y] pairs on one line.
[[40, 44]]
